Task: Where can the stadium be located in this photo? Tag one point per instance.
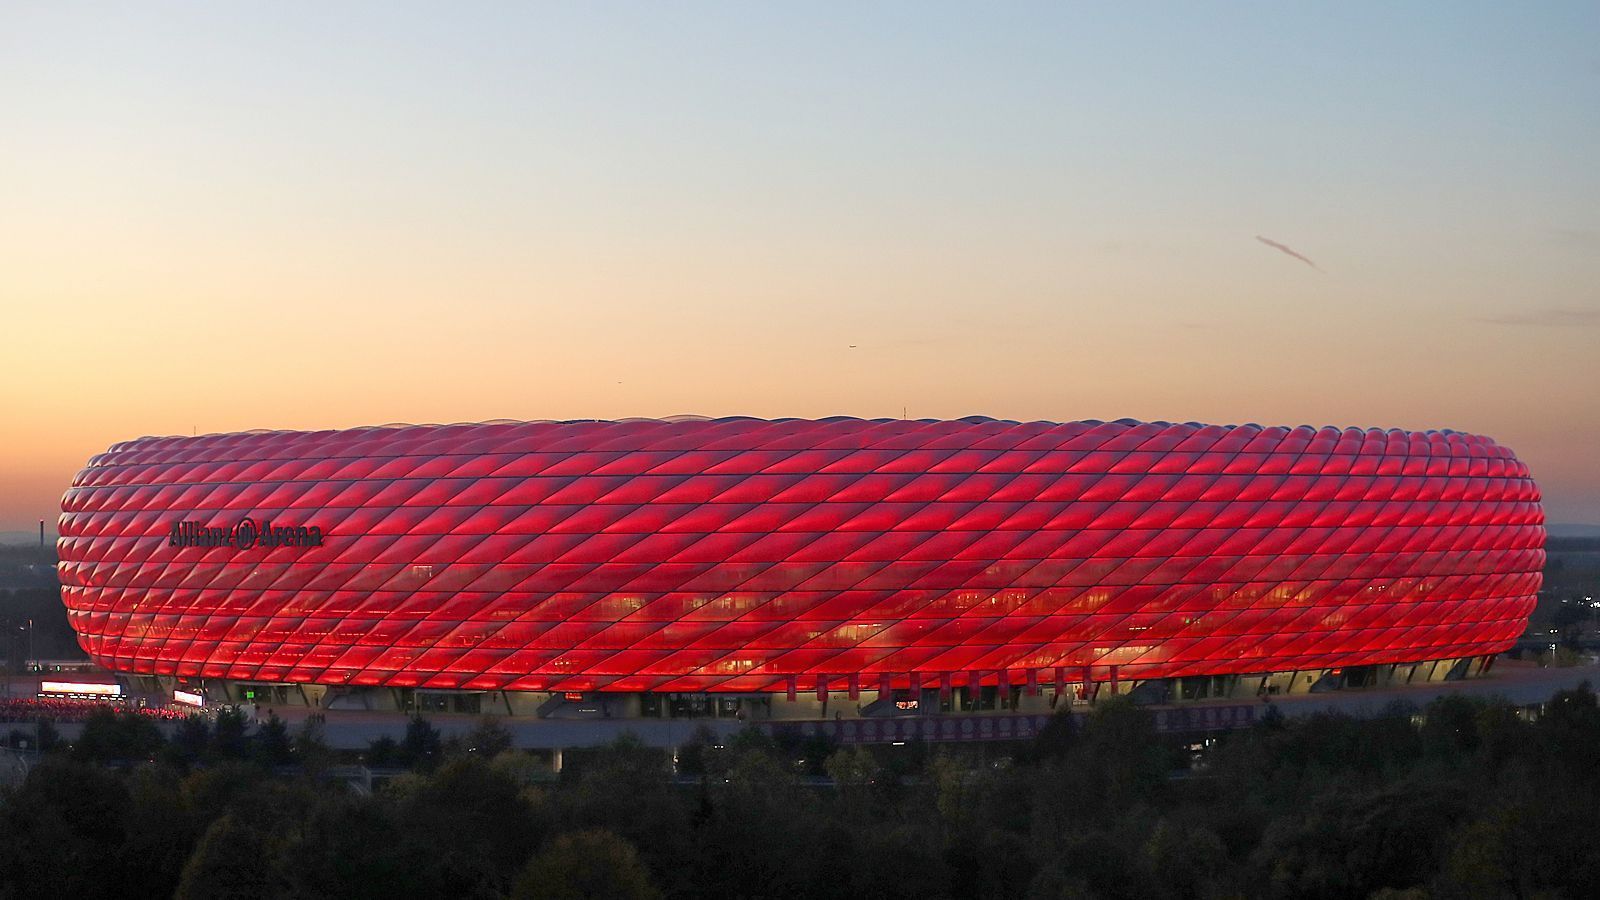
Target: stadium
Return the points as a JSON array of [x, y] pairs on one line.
[[795, 568]]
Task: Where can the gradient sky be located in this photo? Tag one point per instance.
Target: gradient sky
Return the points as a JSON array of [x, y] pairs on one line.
[[218, 217]]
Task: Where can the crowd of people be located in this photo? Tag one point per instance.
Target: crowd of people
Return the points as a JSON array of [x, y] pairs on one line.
[[68, 709]]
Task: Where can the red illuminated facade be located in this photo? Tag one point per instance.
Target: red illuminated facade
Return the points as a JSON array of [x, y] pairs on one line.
[[750, 555]]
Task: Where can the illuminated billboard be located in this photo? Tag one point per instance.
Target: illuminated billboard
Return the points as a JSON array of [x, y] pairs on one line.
[[80, 688]]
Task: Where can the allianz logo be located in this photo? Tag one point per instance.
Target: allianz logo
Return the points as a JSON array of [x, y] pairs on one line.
[[243, 535]]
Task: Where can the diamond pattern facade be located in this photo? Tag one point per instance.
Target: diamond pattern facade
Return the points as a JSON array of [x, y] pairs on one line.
[[751, 555]]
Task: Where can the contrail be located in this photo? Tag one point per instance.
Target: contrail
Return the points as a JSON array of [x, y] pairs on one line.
[[1289, 250]]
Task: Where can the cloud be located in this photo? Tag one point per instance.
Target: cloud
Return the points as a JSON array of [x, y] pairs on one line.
[[1554, 316], [1284, 248]]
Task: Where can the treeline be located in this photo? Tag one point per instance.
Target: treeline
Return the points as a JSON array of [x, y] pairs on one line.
[[1459, 799]]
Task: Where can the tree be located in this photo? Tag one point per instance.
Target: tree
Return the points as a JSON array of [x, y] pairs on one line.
[[489, 739], [60, 828], [209, 792], [1575, 710], [270, 744], [1481, 861], [1450, 726], [751, 737], [954, 786], [1569, 737], [694, 756], [353, 848], [525, 770], [471, 825], [585, 865], [1348, 843], [760, 785], [158, 834], [256, 847], [310, 750], [1053, 741], [852, 768], [1182, 860], [229, 738], [854, 773], [1088, 864], [1121, 745], [757, 817], [111, 736], [383, 753], [1502, 735], [1056, 881], [624, 787], [233, 859], [1568, 619], [421, 745], [814, 752], [189, 741], [49, 739]]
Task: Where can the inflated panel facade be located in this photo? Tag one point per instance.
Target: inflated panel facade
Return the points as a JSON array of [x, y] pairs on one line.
[[751, 555]]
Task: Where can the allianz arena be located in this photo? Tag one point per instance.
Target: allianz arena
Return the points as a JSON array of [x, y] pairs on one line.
[[552, 562]]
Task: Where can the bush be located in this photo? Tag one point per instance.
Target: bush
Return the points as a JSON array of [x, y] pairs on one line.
[[585, 865]]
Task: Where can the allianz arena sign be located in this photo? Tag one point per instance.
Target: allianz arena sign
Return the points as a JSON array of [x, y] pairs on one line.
[[244, 534]]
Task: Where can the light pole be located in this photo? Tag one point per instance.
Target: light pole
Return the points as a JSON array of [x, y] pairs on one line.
[[10, 649]]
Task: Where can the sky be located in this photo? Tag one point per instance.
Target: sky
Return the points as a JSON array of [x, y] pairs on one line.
[[219, 217]]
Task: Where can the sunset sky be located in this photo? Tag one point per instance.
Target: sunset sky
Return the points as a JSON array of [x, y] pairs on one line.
[[218, 217]]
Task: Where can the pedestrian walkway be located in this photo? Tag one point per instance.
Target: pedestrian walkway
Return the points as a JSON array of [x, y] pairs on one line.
[[1518, 684]]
